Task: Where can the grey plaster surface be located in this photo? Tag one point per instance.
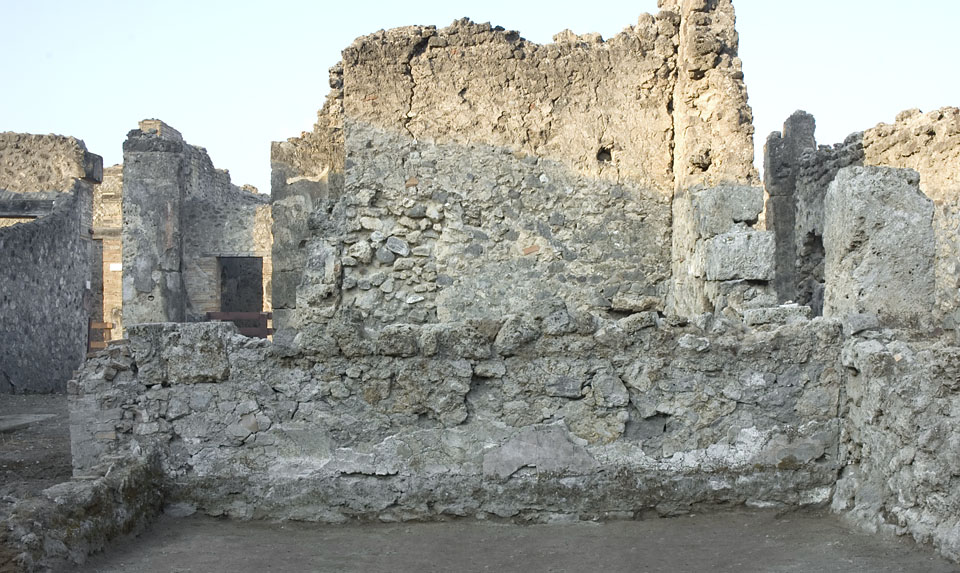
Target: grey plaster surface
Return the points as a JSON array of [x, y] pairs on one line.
[[741, 541]]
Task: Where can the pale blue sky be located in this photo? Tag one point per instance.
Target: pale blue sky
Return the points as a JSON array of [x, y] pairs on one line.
[[233, 76]]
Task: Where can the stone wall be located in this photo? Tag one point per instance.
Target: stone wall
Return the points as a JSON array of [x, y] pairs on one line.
[[900, 447], [468, 154], [46, 274], [928, 143], [879, 247], [545, 414], [180, 215]]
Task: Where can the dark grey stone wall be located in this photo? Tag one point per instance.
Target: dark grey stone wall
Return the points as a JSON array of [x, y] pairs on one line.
[[781, 166], [44, 269]]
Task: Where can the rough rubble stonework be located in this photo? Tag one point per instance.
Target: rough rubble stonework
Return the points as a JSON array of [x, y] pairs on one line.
[[444, 420], [529, 282], [46, 259], [556, 139]]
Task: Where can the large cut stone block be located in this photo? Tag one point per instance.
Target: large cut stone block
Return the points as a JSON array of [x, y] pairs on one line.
[[879, 244], [747, 255], [718, 209]]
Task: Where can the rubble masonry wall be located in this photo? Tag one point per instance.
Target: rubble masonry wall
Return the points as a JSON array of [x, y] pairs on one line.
[[45, 263], [557, 139], [551, 415]]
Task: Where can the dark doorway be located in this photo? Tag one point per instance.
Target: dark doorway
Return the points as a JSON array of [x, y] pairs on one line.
[[241, 284]]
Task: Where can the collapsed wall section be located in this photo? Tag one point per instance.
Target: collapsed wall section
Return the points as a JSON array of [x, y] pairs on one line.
[[469, 154], [46, 269], [181, 216]]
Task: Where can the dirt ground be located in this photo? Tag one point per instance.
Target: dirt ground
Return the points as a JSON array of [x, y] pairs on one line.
[[38, 456], [740, 541]]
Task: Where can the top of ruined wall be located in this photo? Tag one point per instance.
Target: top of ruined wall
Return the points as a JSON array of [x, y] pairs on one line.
[[662, 104], [36, 163], [929, 143]]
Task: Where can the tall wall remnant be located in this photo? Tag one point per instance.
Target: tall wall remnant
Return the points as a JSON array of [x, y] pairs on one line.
[[447, 160], [181, 216], [108, 231], [781, 168], [46, 254]]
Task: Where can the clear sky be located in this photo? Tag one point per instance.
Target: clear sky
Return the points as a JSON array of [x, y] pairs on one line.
[[232, 76]]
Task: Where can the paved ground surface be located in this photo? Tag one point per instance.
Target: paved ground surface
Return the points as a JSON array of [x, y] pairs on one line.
[[736, 541]]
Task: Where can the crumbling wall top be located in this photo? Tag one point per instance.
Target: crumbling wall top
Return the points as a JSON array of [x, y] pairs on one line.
[[37, 163]]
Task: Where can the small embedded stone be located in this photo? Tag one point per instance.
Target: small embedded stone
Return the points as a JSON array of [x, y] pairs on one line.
[[385, 256], [398, 246]]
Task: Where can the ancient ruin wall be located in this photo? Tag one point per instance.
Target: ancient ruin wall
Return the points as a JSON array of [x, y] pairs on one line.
[[38, 163], [180, 215], [45, 264], [900, 446], [610, 419], [570, 154], [929, 143]]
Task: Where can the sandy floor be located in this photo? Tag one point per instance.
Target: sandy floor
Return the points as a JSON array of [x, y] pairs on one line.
[[742, 541]]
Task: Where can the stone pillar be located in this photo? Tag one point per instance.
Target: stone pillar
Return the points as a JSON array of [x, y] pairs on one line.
[[781, 160], [152, 240], [716, 252], [879, 244]]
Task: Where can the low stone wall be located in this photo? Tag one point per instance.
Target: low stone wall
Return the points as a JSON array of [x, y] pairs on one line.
[[900, 444], [77, 518], [530, 417]]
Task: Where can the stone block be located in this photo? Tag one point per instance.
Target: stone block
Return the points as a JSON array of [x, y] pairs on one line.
[[784, 314], [879, 246], [746, 255], [716, 210]]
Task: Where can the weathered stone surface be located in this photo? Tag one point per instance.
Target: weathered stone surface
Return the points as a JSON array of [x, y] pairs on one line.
[[901, 472], [781, 169], [548, 449], [448, 427], [502, 162], [879, 246], [47, 260], [740, 256], [181, 215], [929, 143], [712, 243], [783, 314]]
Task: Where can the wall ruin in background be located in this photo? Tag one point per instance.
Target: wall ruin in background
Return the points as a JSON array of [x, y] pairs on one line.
[[180, 215], [46, 259]]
